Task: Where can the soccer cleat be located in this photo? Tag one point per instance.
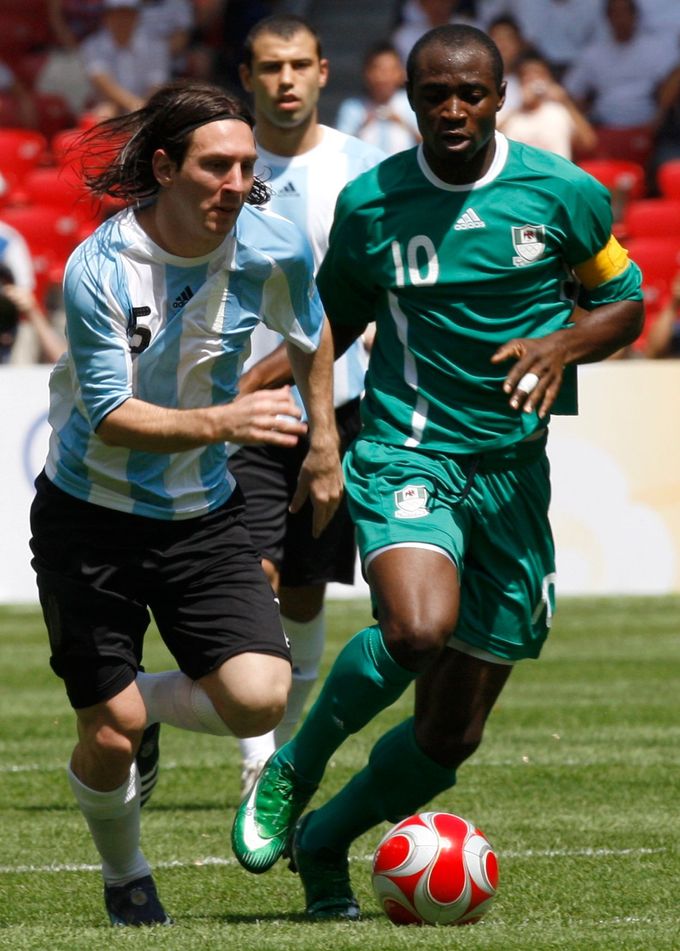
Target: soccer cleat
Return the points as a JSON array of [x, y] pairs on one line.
[[147, 762], [267, 816], [135, 904], [325, 877], [250, 770]]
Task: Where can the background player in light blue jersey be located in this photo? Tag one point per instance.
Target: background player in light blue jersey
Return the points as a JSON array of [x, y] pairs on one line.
[[466, 252], [305, 165], [136, 511]]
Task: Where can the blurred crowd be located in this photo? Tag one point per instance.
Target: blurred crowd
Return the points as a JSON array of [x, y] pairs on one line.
[[596, 81]]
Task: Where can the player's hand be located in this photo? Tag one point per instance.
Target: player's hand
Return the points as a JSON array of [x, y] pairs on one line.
[[265, 416], [535, 379], [320, 479]]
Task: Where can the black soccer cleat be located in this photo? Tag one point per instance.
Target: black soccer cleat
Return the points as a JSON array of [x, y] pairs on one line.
[[135, 904]]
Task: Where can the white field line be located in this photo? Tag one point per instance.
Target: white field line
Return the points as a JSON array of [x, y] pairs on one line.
[[219, 861]]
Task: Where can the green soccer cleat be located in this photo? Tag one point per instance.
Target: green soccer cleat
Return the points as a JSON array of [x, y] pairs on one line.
[[325, 877], [266, 818]]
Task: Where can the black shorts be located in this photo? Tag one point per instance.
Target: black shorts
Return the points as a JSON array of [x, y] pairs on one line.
[[268, 476], [100, 572]]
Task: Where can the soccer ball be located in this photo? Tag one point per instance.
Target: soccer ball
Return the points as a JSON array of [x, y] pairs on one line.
[[435, 868]]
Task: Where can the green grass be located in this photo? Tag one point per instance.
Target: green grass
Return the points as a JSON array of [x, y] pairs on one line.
[[576, 785]]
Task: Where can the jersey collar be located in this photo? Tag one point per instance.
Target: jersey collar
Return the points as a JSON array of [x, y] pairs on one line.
[[496, 167]]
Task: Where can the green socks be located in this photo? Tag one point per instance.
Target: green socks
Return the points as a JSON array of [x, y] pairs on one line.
[[364, 680], [398, 780]]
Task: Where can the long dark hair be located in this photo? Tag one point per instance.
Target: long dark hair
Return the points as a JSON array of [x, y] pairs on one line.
[[118, 152]]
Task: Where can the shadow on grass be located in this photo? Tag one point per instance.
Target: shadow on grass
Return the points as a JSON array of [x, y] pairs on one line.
[[295, 918]]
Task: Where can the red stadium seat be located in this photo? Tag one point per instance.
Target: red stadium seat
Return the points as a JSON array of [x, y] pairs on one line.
[[617, 175], [50, 235], [652, 218], [60, 188], [659, 261], [66, 147], [668, 178], [20, 151]]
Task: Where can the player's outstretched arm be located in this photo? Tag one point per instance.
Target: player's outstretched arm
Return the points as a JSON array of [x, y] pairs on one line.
[[321, 473], [266, 416], [535, 378]]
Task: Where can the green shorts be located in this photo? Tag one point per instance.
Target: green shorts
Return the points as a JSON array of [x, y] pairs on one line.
[[489, 513]]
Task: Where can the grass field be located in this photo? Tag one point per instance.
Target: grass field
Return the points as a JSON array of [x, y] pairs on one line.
[[576, 785]]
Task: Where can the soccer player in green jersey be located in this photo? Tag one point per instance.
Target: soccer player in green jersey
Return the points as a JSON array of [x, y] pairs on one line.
[[470, 252]]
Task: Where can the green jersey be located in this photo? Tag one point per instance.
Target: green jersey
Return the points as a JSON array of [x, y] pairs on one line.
[[451, 272]]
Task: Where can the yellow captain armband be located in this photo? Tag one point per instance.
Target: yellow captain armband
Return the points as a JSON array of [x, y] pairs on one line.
[[611, 261]]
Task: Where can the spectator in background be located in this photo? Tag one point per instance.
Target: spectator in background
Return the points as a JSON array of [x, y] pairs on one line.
[[383, 116], [504, 30], [17, 304], [20, 98], [660, 16], [559, 29], [666, 126], [63, 74], [547, 117], [419, 16], [15, 256], [662, 337], [171, 22], [615, 81], [123, 63]]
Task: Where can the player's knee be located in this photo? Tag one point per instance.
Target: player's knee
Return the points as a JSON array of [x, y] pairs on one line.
[[260, 718], [414, 638], [110, 744], [259, 707]]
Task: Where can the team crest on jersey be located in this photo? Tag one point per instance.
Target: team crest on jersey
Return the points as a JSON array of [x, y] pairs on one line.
[[411, 502], [529, 243]]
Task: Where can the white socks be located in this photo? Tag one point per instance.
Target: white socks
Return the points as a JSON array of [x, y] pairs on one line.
[[172, 697], [307, 640], [113, 819]]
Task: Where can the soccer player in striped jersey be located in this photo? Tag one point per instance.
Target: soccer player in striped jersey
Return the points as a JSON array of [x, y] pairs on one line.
[[305, 164], [136, 511], [466, 251]]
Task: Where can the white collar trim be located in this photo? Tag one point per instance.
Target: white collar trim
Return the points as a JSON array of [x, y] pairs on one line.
[[496, 167]]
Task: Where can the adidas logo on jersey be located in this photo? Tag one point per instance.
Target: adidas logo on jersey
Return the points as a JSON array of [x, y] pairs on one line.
[[469, 219], [182, 298], [288, 191]]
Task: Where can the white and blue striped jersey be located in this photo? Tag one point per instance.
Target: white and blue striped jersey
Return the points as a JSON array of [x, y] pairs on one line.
[[174, 332], [304, 189]]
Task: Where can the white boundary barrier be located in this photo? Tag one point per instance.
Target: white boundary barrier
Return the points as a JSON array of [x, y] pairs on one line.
[[616, 481]]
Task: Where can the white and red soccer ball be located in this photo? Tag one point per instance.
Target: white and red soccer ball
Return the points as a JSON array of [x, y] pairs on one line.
[[435, 868]]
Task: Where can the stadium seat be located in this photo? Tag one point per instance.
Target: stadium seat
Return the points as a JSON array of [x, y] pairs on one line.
[[617, 175], [652, 217], [659, 261], [668, 179], [50, 235], [60, 188], [64, 146], [20, 151]]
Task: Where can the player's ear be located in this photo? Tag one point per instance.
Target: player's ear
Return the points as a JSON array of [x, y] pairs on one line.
[[323, 73], [244, 76], [501, 98], [163, 167]]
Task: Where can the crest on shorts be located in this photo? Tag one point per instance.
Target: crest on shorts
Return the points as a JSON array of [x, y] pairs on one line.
[[529, 243], [411, 502]]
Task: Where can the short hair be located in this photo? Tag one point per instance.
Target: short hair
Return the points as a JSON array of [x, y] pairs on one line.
[[380, 48], [634, 8], [285, 25], [119, 151], [457, 36]]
